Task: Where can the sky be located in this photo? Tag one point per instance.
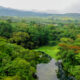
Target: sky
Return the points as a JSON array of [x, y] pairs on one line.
[[68, 6]]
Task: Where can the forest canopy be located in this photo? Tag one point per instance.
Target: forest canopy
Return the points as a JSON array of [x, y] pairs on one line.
[[18, 38]]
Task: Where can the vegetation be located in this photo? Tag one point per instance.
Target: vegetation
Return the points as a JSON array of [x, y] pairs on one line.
[[22, 45], [17, 62], [70, 55], [50, 50]]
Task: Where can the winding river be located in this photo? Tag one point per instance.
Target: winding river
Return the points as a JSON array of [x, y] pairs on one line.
[[47, 71]]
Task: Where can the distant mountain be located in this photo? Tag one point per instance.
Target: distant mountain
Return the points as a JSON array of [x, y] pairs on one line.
[[68, 15], [13, 12]]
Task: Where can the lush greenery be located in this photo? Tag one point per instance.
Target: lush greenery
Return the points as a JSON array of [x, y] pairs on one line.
[[70, 56], [19, 41], [17, 63], [50, 50]]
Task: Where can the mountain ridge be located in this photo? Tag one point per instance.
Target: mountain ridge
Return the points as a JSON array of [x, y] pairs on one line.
[[14, 12], [23, 13]]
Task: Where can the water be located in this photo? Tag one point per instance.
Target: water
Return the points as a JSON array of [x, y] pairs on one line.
[[47, 71]]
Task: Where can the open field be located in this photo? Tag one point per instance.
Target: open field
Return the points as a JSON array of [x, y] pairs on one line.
[[50, 50]]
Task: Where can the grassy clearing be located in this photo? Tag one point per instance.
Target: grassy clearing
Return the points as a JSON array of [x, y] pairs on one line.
[[50, 50]]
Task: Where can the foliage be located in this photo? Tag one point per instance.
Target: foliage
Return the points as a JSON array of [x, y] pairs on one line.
[[17, 62], [18, 35], [20, 38], [5, 29], [70, 55]]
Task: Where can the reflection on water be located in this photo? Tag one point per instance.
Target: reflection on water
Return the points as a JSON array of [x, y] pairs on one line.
[[47, 71]]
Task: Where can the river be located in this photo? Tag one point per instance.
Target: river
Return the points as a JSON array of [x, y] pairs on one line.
[[47, 71]]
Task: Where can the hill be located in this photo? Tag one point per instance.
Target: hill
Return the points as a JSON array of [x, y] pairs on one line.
[[21, 13], [13, 12]]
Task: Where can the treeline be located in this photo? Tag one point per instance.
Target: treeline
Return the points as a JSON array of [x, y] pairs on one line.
[[34, 35]]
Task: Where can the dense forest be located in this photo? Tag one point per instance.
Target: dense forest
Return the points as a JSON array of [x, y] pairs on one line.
[[19, 37]]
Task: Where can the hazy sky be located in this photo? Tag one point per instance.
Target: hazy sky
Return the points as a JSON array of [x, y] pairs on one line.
[[43, 5]]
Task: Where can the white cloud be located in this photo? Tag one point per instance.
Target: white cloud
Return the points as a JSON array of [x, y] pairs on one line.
[[40, 5], [75, 8]]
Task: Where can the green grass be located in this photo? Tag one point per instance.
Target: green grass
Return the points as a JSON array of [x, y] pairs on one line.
[[50, 50]]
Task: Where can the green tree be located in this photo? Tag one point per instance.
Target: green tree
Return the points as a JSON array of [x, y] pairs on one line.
[[5, 29], [20, 38]]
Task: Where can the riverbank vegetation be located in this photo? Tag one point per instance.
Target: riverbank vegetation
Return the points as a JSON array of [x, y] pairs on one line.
[[70, 56], [50, 50], [18, 63], [22, 45]]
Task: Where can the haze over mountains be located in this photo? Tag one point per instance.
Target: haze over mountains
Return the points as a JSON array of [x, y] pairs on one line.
[[14, 12], [21, 13]]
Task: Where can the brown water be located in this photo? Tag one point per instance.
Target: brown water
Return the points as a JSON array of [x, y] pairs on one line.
[[47, 71]]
